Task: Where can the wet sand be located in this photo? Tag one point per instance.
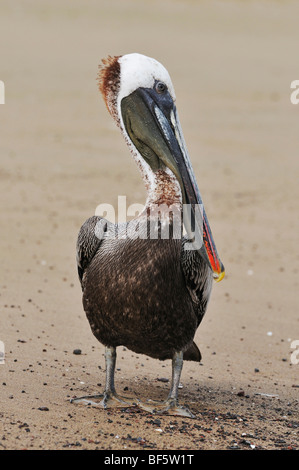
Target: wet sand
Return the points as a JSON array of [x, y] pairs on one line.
[[61, 156]]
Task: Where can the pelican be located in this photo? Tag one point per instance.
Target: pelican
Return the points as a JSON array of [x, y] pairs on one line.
[[148, 293]]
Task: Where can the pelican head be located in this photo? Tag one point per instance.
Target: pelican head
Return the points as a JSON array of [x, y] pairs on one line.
[[140, 97]]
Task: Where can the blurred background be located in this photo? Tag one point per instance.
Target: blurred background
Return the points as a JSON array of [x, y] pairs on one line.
[[231, 63]]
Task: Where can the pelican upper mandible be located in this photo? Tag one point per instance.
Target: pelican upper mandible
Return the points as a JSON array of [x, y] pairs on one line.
[[148, 292]]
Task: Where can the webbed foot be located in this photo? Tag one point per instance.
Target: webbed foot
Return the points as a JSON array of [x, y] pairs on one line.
[[105, 400], [169, 406]]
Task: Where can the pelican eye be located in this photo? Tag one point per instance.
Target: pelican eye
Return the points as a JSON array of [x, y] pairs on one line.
[[160, 87]]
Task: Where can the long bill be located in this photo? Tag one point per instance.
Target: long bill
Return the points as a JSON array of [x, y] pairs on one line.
[[153, 126]]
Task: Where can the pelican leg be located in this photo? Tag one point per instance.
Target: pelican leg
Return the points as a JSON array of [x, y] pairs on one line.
[[170, 405], [109, 397]]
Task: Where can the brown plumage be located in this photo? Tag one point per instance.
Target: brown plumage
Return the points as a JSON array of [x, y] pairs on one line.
[[108, 79], [136, 293]]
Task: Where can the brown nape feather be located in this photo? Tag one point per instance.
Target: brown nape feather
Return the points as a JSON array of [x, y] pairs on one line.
[[109, 80]]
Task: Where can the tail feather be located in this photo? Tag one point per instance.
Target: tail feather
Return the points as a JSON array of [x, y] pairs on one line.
[[192, 353]]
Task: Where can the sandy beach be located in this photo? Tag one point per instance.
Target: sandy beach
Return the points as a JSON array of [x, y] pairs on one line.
[[232, 64]]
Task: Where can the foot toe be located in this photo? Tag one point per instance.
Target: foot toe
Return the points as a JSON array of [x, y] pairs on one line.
[[169, 407], [105, 400], [88, 399]]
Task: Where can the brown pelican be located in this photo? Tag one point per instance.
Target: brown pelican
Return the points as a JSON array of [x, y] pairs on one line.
[[146, 293]]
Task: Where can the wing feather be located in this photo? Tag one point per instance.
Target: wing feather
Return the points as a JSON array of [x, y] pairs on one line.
[[89, 240], [198, 277]]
